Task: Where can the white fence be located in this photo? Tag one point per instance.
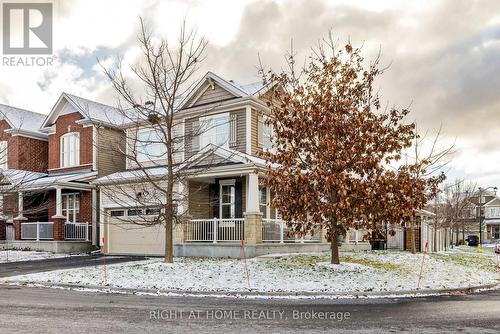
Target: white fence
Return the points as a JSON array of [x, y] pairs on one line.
[[275, 230], [37, 231], [76, 231], [395, 241], [214, 230]]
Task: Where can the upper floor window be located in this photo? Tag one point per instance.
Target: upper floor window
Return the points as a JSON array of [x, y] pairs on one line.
[[265, 133], [495, 212], [3, 154], [70, 149], [150, 145], [214, 130]]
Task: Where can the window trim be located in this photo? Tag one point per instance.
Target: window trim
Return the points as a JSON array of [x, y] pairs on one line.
[[76, 149], [75, 209], [232, 203], [139, 147], [213, 128]]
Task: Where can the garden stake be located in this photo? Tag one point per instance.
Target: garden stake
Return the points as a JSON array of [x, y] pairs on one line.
[[422, 266]]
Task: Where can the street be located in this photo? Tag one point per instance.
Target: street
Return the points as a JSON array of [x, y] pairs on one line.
[[42, 310]]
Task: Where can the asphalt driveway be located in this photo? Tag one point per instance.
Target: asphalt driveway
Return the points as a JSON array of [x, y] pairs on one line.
[[28, 267]]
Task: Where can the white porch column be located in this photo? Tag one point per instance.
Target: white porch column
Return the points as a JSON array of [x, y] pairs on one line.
[[58, 204], [20, 206], [1, 207], [253, 193]]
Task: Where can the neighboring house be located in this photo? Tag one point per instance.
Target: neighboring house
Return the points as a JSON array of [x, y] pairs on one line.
[[75, 136], [490, 211], [226, 202]]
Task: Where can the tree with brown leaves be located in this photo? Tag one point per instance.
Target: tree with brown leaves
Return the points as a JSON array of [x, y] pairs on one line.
[[332, 143]]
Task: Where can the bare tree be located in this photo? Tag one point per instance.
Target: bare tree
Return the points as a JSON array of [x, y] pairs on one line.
[[153, 143], [457, 200]]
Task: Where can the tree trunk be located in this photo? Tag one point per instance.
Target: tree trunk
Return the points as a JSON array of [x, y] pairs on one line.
[[169, 249], [412, 237], [334, 246], [435, 246]]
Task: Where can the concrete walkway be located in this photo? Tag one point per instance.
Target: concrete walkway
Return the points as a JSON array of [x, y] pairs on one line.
[[8, 269]]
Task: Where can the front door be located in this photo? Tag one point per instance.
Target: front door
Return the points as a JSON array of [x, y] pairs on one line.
[[71, 207]]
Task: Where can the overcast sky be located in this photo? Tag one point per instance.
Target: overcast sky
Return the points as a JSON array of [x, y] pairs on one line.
[[444, 56]]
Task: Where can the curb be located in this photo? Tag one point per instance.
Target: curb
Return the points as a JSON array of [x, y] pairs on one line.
[[258, 294]]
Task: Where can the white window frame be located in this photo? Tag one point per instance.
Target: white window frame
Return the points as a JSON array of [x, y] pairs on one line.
[[495, 212], [69, 149], [209, 130], [264, 206], [267, 135], [232, 198], [145, 151], [4, 154], [74, 210]]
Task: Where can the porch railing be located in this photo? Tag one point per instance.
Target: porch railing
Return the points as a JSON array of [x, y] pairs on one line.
[[37, 231], [76, 231], [214, 230], [276, 230]]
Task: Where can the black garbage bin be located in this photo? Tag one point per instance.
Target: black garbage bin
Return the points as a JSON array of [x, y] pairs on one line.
[[378, 244]]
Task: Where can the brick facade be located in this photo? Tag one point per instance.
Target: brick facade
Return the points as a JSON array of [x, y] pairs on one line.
[[24, 153], [65, 124]]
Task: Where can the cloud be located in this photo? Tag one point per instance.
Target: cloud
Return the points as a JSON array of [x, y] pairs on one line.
[[443, 54]]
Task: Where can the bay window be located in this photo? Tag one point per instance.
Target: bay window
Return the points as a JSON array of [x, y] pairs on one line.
[[70, 149]]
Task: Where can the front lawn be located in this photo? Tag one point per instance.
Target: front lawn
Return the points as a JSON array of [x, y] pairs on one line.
[[359, 272]]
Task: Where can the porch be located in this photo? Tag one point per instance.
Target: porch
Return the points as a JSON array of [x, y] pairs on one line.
[[50, 209]]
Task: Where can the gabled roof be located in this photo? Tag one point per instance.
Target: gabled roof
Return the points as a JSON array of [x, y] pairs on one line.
[[232, 87], [494, 202], [21, 119], [90, 110]]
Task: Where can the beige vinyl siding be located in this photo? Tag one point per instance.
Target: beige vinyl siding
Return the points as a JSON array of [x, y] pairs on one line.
[[199, 200], [110, 148], [240, 130], [256, 149], [209, 95]]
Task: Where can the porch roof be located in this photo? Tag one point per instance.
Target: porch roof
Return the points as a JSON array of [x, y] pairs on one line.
[[235, 161], [28, 180]]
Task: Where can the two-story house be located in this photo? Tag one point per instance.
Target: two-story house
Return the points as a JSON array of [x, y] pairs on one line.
[[66, 152], [88, 189], [226, 202], [487, 205]]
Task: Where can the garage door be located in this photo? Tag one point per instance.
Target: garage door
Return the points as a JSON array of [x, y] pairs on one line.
[[134, 239]]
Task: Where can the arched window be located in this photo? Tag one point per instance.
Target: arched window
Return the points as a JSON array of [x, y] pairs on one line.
[[70, 149]]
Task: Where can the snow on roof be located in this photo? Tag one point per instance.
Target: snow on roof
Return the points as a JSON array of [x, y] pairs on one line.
[[22, 179], [97, 111], [22, 119], [160, 171]]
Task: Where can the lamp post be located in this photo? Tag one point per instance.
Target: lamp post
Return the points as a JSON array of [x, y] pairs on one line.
[[481, 191]]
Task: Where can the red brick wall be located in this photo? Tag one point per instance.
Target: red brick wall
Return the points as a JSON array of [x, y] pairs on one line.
[[64, 124], [23, 152]]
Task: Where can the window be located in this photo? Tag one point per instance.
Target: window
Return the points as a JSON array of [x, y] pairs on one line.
[[263, 201], [496, 232], [152, 211], [495, 212], [3, 154], [134, 212], [267, 133], [71, 207], [117, 213], [227, 200], [150, 145], [70, 149], [214, 130]]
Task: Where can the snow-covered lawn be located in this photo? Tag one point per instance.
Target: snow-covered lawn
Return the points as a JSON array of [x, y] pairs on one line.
[[359, 272], [17, 255]]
